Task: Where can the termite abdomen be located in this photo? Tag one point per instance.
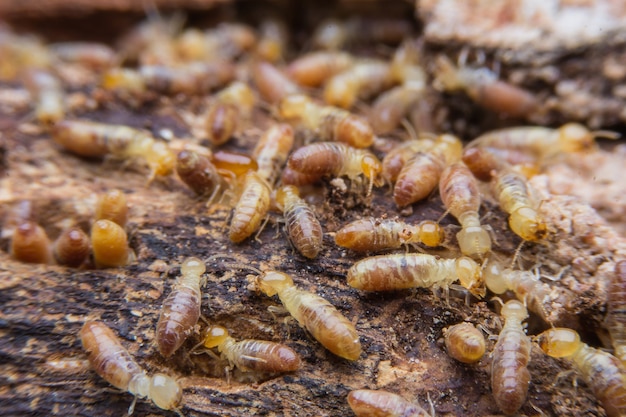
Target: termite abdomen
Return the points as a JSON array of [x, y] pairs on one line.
[[72, 247]]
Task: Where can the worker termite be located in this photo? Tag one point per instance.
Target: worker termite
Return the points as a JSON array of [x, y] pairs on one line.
[[303, 228], [96, 56], [292, 177], [482, 162], [232, 104], [92, 139], [412, 270], [464, 342], [252, 206], [460, 194], [313, 69], [113, 363], [252, 355], [238, 164], [514, 195], [539, 297], [395, 159], [337, 159], [542, 143], [226, 41], [483, 86], [110, 244], [380, 403], [616, 311], [420, 174], [272, 150], [31, 244], [198, 173], [272, 43], [113, 206], [509, 364], [330, 123], [181, 309], [72, 247], [272, 83], [47, 94], [327, 325], [374, 235], [603, 372], [361, 81], [193, 78]]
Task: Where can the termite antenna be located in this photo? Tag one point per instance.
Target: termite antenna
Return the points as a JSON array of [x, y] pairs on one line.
[[409, 129], [517, 252], [445, 213], [240, 265], [605, 134]]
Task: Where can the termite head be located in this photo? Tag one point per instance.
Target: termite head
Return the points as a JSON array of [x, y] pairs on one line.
[[192, 266], [160, 159], [274, 282], [515, 310], [495, 279], [574, 137], [527, 224], [215, 336], [165, 392], [372, 169], [293, 106], [470, 276], [559, 342], [430, 233]]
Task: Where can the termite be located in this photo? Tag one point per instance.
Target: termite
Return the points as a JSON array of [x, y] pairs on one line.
[[113, 206], [252, 355], [334, 34], [604, 373], [181, 309], [252, 207], [361, 81], [539, 297], [96, 56], [238, 164], [313, 69], [396, 158], [374, 235], [92, 139], [47, 94], [464, 342], [72, 247], [193, 78], [483, 87], [299, 179], [229, 107], [113, 363], [330, 123], [303, 228], [460, 195], [336, 159], [272, 150], [412, 270], [509, 363], [272, 43], [198, 173], [272, 83], [109, 244], [483, 163], [616, 310], [31, 244], [420, 174], [380, 403], [514, 195], [226, 41], [542, 143], [20, 52], [327, 325]]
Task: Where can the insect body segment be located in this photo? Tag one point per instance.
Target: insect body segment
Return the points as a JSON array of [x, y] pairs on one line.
[[113, 363], [231, 105], [110, 244], [509, 364], [47, 94], [113, 206], [313, 69], [198, 173], [181, 308], [379, 403], [403, 271], [251, 208], [272, 150], [327, 325], [336, 159], [331, 123], [303, 228], [72, 247], [616, 310], [395, 159], [272, 83], [464, 342], [252, 355], [92, 139], [31, 244], [375, 235], [360, 81], [460, 194], [513, 193], [604, 373]]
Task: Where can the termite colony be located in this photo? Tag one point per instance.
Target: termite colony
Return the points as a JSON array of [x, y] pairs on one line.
[[308, 143]]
